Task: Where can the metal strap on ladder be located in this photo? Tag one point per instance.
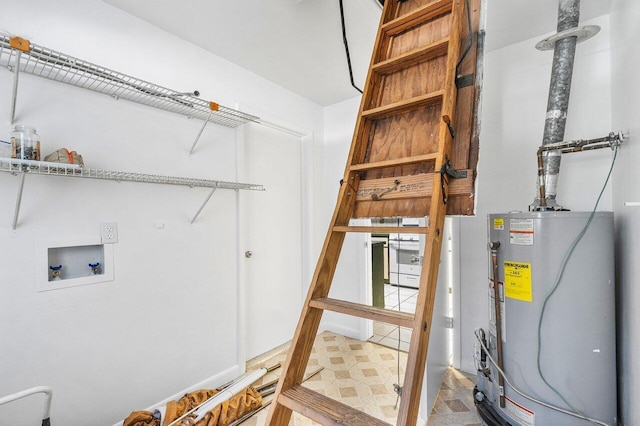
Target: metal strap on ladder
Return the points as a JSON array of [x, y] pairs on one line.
[[398, 166]]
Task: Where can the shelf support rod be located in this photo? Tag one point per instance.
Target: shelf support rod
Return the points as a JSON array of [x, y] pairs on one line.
[[14, 95], [18, 200], [200, 133], [213, 190]]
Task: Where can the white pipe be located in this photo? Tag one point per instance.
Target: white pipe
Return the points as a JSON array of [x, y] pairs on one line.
[[228, 393], [223, 395], [277, 126], [282, 128], [32, 391]]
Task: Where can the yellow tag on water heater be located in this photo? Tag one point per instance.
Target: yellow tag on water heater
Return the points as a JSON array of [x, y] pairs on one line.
[[517, 281]]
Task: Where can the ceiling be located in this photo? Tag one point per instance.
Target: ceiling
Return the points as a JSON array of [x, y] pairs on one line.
[[298, 44]]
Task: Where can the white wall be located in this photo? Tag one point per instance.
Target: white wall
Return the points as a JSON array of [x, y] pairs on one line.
[[515, 89], [169, 319], [625, 107], [339, 122]]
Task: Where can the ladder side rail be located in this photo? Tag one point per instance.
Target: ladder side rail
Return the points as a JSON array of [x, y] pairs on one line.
[[304, 336], [414, 375]]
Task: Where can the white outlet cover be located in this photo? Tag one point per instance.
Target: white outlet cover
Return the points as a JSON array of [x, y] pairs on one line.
[[109, 232]]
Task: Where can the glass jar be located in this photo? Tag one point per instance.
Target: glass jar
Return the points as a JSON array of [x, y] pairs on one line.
[[25, 143]]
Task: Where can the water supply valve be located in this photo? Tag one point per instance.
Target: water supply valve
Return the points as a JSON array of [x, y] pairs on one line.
[[56, 271], [95, 268]]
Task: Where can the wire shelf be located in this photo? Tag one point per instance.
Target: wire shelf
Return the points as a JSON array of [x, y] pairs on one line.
[[57, 66], [12, 165]]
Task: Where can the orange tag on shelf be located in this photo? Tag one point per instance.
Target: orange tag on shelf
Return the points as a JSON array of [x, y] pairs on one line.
[[19, 43], [69, 154]]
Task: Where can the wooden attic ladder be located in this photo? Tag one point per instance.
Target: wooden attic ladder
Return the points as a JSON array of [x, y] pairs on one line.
[[396, 164]]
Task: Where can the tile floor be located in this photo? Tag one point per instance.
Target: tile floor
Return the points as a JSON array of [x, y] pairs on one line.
[[398, 299], [362, 374], [454, 405]]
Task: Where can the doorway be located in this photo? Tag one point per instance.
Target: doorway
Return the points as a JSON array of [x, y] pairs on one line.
[[400, 293], [270, 255]]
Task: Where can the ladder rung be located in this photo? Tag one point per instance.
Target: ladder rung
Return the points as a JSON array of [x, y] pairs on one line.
[[394, 163], [418, 16], [402, 319], [325, 410], [412, 57], [383, 229], [415, 186], [403, 106]]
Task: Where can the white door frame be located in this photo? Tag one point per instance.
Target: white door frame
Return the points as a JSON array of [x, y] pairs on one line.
[[366, 287], [452, 276], [306, 163]]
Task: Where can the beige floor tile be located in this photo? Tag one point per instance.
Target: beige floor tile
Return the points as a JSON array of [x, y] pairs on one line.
[[362, 375], [320, 381], [382, 329], [370, 374], [393, 343], [349, 391], [456, 405], [372, 408], [299, 420], [376, 338], [467, 418], [466, 383], [440, 420]]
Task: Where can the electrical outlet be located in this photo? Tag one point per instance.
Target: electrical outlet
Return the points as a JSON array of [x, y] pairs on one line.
[[109, 232]]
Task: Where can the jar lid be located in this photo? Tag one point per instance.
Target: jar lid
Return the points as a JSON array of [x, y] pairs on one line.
[[23, 128]]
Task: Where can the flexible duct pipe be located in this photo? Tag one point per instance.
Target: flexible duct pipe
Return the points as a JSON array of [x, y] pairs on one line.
[[558, 102]]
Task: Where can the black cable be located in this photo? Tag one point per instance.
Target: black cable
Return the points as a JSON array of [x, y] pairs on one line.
[[346, 47]]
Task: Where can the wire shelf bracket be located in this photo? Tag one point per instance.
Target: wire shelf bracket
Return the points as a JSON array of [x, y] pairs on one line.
[[24, 167], [19, 55]]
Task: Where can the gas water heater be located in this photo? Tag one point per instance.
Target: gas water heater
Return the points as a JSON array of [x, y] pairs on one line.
[[554, 332]]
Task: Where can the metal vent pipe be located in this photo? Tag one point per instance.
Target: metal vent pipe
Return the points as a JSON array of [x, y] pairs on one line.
[[558, 101]]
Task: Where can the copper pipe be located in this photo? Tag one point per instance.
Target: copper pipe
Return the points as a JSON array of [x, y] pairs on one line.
[[498, 316], [580, 145], [541, 179]]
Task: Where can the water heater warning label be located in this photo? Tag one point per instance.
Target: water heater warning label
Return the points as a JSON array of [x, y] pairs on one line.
[[517, 281], [523, 415], [521, 232]]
